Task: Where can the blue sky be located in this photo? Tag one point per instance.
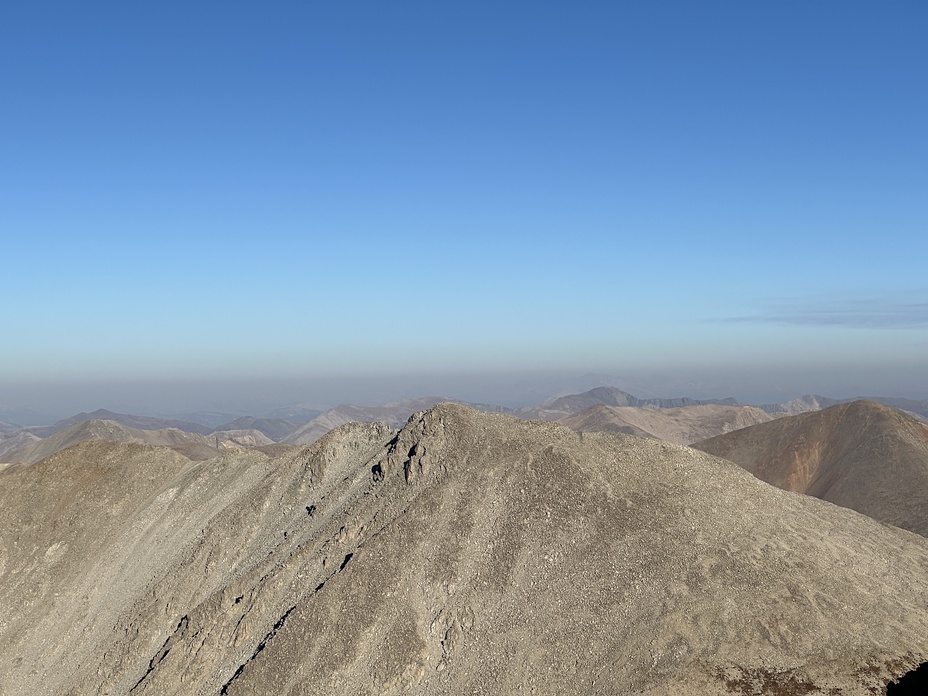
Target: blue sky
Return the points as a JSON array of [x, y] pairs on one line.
[[305, 190]]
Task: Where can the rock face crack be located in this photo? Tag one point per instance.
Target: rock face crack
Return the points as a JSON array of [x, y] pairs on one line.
[[340, 569], [264, 641], [163, 651], [263, 644]]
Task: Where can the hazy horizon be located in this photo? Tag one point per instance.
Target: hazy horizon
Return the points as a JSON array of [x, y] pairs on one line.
[[51, 401], [297, 203]]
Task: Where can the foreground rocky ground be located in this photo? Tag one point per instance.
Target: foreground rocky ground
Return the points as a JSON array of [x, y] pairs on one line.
[[467, 553]]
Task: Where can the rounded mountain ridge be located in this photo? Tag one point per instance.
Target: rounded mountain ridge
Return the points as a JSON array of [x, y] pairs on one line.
[[863, 455], [465, 553]]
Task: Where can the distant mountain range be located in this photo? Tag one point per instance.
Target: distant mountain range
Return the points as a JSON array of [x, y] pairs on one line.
[[680, 425], [15, 440], [140, 422], [681, 420], [7, 427], [814, 402], [275, 429], [564, 406], [195, 440], [194, 446], [396, 413], [217, 420]]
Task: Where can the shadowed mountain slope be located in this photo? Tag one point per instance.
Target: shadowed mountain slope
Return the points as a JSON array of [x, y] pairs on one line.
[[468, 553], [678, 425], [862, 455]]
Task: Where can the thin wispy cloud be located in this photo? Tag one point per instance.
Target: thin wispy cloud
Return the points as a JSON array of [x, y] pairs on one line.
[[853, 313]]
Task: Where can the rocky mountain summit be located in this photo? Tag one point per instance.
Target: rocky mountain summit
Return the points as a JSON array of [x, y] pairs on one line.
[[467, 552], [393, 414]]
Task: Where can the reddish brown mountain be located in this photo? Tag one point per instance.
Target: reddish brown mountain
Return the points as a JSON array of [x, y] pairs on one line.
[[863, 455]]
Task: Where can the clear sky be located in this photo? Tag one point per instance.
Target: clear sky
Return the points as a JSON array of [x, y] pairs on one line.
[[289, 190]]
